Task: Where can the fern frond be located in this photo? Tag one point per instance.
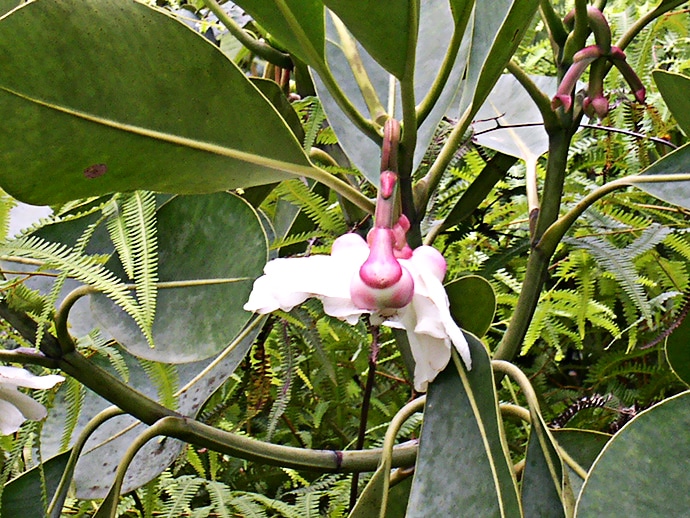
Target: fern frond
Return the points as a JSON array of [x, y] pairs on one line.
[[74, 393], [7, 203], [181, 492], [52, 297], [132, 227], [618, 261], [164, 377], [287, 373], [313, 205], [80, 267], [315, 120], [294, 239]]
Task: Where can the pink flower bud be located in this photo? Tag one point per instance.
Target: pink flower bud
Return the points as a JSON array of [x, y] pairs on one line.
[[381, 269], [598, 106], [381, 282], [401, 249]]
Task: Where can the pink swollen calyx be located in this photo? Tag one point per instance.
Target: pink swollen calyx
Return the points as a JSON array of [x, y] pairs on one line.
[[382, 282]]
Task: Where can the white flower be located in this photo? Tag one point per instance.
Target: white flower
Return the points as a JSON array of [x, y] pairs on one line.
[[15, 407], [335, 278]]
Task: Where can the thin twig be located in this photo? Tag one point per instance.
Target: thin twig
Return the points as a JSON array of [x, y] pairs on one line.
[[371, 376]]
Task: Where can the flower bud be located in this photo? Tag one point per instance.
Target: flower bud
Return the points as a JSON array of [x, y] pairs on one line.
[[381, 269], [381, 281]]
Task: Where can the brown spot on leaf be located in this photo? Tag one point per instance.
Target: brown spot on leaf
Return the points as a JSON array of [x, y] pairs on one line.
[[95, 170]]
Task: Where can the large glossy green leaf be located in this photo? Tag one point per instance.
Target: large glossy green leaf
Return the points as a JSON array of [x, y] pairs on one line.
[[497, 31], [678, 351], [546, 490], [676, 162], [215, 236], [463, 467], [23, 496], [674, 89], [8, 5], [135, 100], [297, 24], [435, 31], [472, 303], [643, 470], [383, 28], [583, 446]]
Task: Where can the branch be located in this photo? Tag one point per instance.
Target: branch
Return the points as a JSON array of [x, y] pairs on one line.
[[540, 98], [256, 46], [663, 7], [441, 79], [376, 110]]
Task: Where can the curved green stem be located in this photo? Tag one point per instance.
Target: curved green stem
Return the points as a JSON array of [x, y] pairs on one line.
[[316, 61], [521, 413], [534, 414], [319, 155], [108, 508], [557, 230], [644, 20], [347, 43], [55, 507], [148, 411], [441, 79], [256, 46], [389, 440], [25, 356], [540, 98]]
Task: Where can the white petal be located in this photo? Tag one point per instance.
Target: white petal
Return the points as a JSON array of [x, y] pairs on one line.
[[10, 418], [289, 282], [432, 288], [431, 355], [26, 405], [22, 378]]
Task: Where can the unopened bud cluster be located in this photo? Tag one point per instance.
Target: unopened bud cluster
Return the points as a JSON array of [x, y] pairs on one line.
[[596, 57]]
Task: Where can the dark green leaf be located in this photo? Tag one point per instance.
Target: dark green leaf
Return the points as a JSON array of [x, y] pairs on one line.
[[280, 102], [497, 31], [383, 28], [7, 5], [370, 501], [462, 465], [472, 303], [297, 24], [674, 88], [546, 490], [583, 446], [23, 496], [210, 237], [642, 471], [145, 103], [678, 351]]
